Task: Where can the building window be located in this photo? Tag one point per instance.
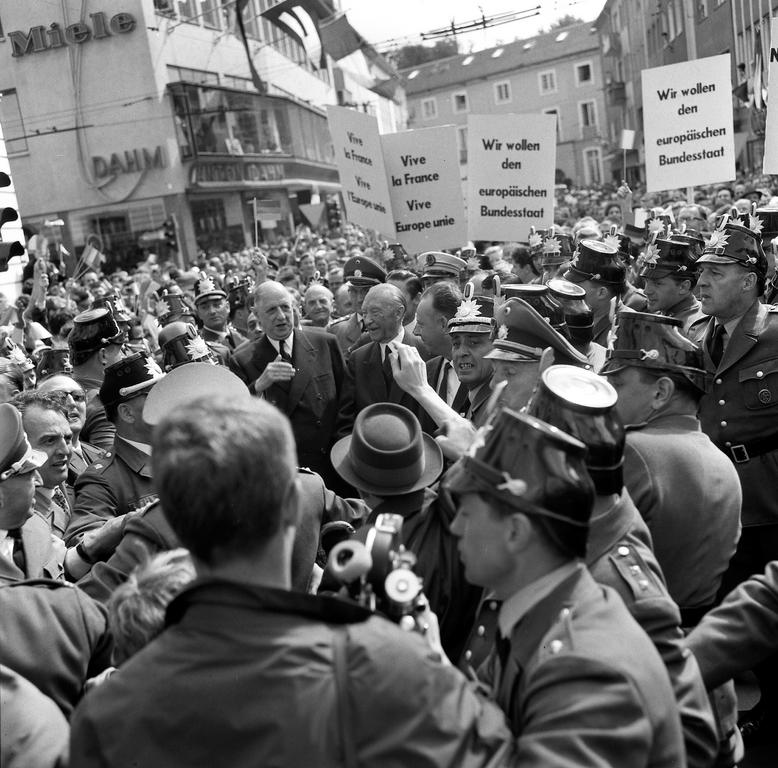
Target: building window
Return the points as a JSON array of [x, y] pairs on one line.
[[702, 8], [210, 14], [592, 159], [459, 101], [429, 109], [187, 10], [583, 73], [588, 114], [186, 75], [502, 92], [555, 111], [13, 125], [547, 81], [462, 143]]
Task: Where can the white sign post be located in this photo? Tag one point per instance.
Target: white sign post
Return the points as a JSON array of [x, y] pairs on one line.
[[511, 161], [687, 124], [361, 167], [425, 188], [771, 126]]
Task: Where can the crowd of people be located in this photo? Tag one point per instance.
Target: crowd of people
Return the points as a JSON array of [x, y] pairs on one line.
[[324, 502]]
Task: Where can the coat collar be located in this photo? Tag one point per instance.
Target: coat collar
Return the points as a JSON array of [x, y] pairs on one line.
[[137, 461]]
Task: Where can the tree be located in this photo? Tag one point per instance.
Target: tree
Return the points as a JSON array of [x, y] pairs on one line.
[[414, 55], [564, 21]]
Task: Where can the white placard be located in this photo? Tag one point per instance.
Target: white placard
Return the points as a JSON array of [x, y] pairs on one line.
[[510, 175], [687, 124], [771, 127], [361, 167], [422, 167]]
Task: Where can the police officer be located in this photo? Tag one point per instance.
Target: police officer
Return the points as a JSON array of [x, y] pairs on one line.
[[740, 412], [213, 312], [441, 267], [579, 680]]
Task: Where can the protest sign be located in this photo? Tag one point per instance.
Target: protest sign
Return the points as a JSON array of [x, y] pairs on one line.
[[361, 168], [510, 175], [687, 124], [425, 188], [771, 127]]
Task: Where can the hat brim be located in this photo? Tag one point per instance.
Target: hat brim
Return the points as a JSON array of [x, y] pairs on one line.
[[220, 294], [474, 327], [712, 258], [433, 467], [189, 382], [504, 354]]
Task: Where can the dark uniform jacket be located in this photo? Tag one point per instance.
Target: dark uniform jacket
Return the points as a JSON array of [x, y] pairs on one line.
[[118, 483], [689, 495], [688, 311], [311, 399], [54, 635], [583, 685], [97, 429], [460, 403], [150, 533], [741, 632], [347, 330], [740, 412], [298, 679], [44, 555]]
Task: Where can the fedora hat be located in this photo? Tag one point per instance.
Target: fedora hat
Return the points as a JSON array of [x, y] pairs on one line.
[[387, 454]]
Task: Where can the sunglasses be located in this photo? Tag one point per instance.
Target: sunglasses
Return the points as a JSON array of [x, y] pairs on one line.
[[78, 395]]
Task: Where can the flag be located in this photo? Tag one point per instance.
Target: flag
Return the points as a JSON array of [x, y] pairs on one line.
[[758, 75], [92, 257], [259, 84], [300, 20], [338, 38]]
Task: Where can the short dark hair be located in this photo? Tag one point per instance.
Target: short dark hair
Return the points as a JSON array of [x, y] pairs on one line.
[[223, 472], [411, 281], [31, 398], [683, 386], [59, 319], [445, 297], [521, 255]]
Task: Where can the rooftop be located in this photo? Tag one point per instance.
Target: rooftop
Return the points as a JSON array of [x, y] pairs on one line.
[[456, 70]]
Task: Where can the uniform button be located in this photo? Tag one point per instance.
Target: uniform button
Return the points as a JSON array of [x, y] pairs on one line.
[[727, 444], [635, 569], [723, 423], [481, 631], [759, 374], [643, 584], [565, 613], [722, 402], [468, 655], [623, 551], [493, 605], [718, 381], [556, 646]]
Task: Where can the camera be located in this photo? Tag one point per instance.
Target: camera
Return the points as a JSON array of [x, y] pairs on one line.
[[374, 568]]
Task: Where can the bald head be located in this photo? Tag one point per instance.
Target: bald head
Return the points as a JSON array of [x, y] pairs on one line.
[[274, 309], [383, 310]]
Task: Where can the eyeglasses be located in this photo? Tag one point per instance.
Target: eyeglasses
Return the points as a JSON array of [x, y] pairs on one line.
[[77, 395]]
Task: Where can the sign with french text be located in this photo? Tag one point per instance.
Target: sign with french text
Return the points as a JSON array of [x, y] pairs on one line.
[[511, 161], [687, 124], [425, 188], [771, 127], [361, 168]]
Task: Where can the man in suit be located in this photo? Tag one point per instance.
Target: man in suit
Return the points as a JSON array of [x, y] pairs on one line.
[[369, 376], [233, 503], [740, 411], [300, 371], [579, 680], [28, 549], [360, 274]]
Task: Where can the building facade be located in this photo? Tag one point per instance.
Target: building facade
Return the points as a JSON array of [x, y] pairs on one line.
[[555, 73], [119, 116]]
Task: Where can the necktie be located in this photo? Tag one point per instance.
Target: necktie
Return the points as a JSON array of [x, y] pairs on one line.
[[18, 553], [387, 365], [503, 645], [283, 350], [716, 345], [443, 388]]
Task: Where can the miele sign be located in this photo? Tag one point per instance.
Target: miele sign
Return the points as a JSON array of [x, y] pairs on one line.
[[40, 38]]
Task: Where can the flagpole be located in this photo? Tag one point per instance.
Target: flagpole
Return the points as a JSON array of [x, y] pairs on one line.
[[256, 223]]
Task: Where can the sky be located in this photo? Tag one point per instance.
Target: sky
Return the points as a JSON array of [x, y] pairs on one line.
[[379, 21]]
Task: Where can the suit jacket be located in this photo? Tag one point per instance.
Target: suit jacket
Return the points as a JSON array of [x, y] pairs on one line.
[[311, 399], [689, 495], [44, 554], [365, 384], [742, 406], [355, 675], [118, 483], [461, 401], [54, 635], [583, 685]]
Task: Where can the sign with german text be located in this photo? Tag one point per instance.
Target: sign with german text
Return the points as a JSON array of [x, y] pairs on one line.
[[771, 127], [687, 124], [361, 167], [425, 188], [510, 175]]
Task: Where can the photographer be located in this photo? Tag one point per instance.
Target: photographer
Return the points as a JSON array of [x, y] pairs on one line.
[[281, 679]]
